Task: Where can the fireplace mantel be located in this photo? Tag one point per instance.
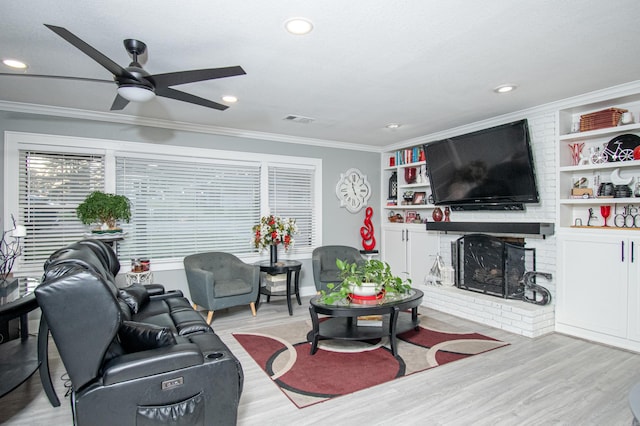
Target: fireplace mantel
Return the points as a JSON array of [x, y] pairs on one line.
[[527, 228]]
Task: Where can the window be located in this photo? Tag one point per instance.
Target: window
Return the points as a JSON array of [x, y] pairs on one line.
[[291, 194], [184, 200], [184, 207], [51, 185]]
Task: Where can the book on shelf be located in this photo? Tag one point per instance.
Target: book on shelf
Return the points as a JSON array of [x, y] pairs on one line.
[[409, 155], [370, 321]]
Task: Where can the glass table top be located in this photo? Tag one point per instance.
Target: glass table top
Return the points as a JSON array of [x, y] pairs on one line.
[[388, 299]]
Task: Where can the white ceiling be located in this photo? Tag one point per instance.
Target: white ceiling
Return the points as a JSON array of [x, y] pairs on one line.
[[429, 65]]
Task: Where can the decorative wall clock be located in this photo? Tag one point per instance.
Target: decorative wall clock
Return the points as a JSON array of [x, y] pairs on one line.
[[353, 190]]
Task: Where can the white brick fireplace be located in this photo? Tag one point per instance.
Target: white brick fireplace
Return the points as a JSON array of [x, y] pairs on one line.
[[514, 316]]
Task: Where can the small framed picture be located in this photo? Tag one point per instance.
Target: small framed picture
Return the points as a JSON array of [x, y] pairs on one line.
[[419, 197], [411, 216]]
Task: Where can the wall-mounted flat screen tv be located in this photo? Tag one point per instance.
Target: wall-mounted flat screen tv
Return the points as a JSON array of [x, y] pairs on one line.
[[487, 169]]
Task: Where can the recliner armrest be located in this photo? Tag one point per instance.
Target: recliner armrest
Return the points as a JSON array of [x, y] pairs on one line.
[[167, 295], [148, 363], [154, 289]]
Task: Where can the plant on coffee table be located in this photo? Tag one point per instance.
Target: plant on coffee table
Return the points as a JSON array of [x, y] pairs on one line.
[[358, 273]]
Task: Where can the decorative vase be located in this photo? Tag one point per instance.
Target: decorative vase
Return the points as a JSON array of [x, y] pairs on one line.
[[447, 213], [273, 254], [437, 214], [410, 175]]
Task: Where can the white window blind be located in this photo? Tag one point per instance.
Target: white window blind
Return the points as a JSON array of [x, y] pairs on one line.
[[180, 207], [291, 194], [51, 186]]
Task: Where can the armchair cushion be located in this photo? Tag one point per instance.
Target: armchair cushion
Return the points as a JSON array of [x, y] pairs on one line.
[[232, 287], [135, 296], [137, 336]]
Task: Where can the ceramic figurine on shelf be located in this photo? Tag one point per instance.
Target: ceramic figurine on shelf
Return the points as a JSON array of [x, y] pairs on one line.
[[591, 216], [423, 174]]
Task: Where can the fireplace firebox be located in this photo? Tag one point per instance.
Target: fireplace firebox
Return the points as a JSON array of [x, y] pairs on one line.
[[493, 265]]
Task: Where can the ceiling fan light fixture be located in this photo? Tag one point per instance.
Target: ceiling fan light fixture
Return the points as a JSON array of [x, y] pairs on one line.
[[229, 98], [298, 26], [14, 63], [393, 126], [136, 93]]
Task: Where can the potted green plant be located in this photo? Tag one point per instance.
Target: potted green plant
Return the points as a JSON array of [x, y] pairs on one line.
[[104, 209], [369, 277]]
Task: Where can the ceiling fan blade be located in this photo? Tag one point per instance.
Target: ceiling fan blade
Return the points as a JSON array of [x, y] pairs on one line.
[[61, 77], [119, 103], [186, 97], [183, 77], [94, 54]]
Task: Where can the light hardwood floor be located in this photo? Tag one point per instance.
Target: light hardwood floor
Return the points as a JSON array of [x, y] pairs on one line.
[[552, 380]]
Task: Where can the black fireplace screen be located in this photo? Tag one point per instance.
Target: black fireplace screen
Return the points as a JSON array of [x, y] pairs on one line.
[[489, 265]]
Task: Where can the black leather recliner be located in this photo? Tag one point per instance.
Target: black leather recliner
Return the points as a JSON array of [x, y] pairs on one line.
[[134, 356]]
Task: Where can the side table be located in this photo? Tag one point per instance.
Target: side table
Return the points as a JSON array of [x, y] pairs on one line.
[[369, 254], [145, 277], [289, 267], [18, 357]]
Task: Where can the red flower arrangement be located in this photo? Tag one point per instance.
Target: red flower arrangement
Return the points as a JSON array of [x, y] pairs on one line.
[[274, 230]]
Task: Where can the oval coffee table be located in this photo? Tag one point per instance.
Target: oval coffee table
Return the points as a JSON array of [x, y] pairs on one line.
[[343, 323]]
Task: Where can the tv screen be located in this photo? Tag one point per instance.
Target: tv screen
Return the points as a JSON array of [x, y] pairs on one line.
[[491, 168]]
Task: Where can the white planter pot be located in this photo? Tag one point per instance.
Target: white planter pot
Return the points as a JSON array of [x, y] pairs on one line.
[[365, 289]]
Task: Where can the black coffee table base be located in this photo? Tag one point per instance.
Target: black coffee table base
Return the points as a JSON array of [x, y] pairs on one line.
[[345, 328]]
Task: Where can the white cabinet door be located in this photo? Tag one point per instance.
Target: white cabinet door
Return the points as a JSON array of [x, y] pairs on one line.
[[422, 251], [395, 250], [410, 252], [592, 284], [634, 289]]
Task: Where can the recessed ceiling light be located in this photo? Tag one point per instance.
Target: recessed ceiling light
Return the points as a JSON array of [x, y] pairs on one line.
[[14, 63], [392, 126], [298, 26], [505, 88], [230, 99]]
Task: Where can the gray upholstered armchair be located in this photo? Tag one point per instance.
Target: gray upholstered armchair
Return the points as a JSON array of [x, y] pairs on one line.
[[323, 260], [220, 280]]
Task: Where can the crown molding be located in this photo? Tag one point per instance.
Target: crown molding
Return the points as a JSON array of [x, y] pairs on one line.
[[110, 117]]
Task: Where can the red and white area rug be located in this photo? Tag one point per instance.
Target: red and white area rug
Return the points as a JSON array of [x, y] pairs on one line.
[[342, 367]]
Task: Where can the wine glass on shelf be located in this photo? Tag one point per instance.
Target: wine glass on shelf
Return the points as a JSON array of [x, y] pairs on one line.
[[605, 211]]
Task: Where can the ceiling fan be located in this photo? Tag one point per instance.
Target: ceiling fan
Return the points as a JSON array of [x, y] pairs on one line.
[[137, 85]]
